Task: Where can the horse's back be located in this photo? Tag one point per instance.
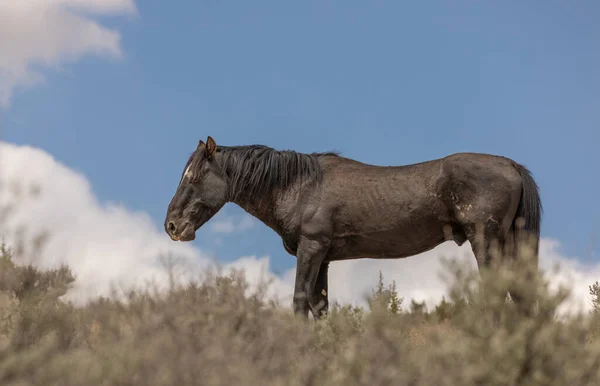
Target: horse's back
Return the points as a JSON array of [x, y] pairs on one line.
[[435, 191], [475, 168]]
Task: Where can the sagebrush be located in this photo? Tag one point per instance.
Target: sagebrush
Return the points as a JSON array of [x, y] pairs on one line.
[[214, 333]]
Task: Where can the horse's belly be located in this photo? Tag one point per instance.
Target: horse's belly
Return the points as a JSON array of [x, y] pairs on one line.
[[384, 245]]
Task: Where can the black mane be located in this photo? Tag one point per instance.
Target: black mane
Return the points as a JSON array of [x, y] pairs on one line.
[[256, 169]]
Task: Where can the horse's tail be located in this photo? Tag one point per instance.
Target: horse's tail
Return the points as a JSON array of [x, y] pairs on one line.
[[527, 222]]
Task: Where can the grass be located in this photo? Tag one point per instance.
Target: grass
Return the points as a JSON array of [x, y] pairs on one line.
[[215, 333]]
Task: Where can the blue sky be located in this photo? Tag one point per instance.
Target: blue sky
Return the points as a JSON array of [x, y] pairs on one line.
[[383, 82]]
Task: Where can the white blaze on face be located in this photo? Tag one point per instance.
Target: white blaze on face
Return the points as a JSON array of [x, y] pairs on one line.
[[187, 173]]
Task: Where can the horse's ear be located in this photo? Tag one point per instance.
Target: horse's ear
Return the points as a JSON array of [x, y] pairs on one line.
[[200, 144], [211, 147]]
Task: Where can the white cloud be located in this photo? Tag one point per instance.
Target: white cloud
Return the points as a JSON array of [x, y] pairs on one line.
[[104, 243], [246, 223], [101, 243], [222, 223], [257, 271], [418, 277], [48, 33], [222, 226]]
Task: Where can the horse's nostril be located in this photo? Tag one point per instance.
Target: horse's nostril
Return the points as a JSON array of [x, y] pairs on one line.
[[171, 227]]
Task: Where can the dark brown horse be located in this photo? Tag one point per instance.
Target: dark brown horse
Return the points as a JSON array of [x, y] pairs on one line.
[[328, 208]]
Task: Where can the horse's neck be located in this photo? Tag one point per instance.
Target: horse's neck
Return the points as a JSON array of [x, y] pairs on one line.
[[263, 208]]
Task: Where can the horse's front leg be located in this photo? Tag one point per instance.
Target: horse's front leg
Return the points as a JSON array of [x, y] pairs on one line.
[[310, 256], [322, 293]]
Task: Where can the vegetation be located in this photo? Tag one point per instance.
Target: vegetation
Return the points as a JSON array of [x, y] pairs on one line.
[[215, 333]]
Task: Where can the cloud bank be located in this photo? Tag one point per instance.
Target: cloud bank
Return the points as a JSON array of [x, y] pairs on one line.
[[48, 33], [227, 224], [107, 244]]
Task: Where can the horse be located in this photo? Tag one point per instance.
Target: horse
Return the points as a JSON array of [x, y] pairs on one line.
[[326, 207]]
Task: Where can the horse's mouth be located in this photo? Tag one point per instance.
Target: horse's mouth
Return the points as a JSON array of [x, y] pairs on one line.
[[187, 234]]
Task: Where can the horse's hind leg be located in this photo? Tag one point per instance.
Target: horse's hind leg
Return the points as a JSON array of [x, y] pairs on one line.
[[485, 243], [489, 246]]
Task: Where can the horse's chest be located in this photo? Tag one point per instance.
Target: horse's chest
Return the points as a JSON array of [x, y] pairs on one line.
[[289, 246]]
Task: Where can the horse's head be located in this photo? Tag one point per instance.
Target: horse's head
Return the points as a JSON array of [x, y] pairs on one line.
[[202, 192]]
